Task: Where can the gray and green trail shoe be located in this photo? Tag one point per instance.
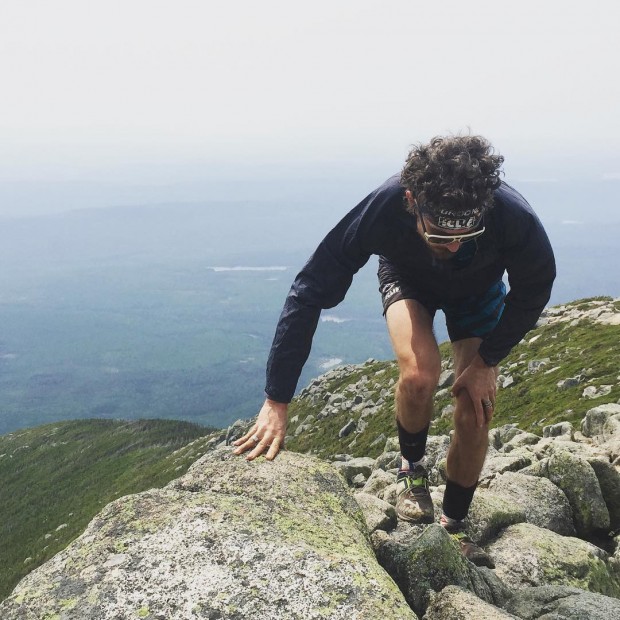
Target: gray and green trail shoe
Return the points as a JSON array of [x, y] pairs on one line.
[[413, 500], [469, 548]]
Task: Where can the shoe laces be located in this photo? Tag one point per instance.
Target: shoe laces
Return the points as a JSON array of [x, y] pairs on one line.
[[416, 480]]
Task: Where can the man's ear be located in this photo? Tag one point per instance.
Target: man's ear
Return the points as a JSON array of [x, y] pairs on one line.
[[410, 198]]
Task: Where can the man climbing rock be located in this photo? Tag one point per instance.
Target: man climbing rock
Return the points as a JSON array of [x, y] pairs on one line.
[[446, 230]]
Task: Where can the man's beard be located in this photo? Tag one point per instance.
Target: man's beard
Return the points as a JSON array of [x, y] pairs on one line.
[[440, 253]]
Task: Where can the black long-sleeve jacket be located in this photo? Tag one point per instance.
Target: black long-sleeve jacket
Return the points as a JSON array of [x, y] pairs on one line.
[[514, 242]]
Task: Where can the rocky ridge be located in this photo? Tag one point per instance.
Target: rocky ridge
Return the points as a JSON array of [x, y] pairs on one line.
[[305, 538]]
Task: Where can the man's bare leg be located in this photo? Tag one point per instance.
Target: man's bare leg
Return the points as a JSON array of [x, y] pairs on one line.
[[465, 459], [411, 330], [469, 444]]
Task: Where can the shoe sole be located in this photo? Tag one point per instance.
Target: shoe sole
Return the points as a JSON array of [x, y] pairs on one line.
[[424, 520]]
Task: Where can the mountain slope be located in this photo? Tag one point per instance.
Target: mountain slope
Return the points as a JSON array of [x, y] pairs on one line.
[[55, 478]]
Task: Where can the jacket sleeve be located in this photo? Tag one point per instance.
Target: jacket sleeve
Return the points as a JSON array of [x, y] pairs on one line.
[[322, 283], [530, 265]]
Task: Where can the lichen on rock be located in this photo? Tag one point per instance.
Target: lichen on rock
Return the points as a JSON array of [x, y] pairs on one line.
[[282, 539], [530, 556]]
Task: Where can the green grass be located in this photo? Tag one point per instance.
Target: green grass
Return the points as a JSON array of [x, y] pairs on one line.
[[534, 399], [323, 440], [63, 474]]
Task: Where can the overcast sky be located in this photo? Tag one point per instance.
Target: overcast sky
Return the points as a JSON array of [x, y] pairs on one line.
[[91, 88]]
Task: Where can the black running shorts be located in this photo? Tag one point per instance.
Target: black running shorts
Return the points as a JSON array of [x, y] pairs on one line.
[[473, 316]]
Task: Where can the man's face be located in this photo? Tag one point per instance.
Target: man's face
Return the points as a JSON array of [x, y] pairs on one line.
[[444, 251], [426, 227]]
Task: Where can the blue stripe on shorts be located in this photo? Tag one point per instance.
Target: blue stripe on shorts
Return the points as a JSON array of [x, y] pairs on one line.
[[475, 316]]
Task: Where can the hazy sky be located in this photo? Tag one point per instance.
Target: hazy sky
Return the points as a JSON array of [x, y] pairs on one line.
[[159, 89]]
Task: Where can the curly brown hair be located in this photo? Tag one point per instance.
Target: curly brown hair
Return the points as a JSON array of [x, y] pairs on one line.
[[454, 172]]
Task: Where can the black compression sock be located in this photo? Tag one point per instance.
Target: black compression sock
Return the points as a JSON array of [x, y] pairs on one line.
[[412, 445], [457, 499]]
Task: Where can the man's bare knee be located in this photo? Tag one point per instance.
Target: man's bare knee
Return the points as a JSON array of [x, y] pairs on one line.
[[418, 385], [465, 424]]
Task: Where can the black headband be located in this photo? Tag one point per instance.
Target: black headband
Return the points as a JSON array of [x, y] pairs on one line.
[[454, 220]]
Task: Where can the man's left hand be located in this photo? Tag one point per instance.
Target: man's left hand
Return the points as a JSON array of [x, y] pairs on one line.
[[480, 382]]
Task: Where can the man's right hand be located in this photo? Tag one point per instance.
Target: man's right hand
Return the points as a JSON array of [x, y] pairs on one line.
[[267, 434]]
